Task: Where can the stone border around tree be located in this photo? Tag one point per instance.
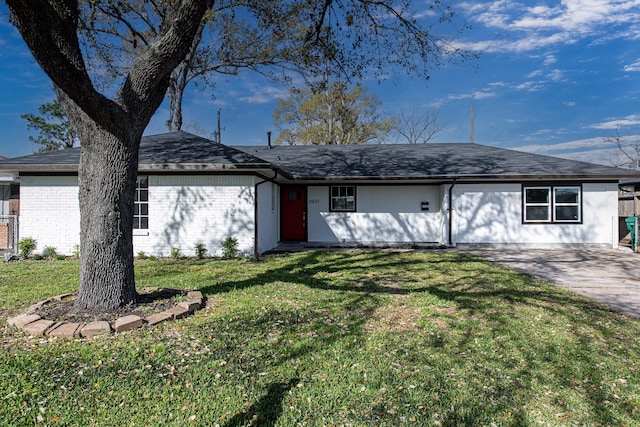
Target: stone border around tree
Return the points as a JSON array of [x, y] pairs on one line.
[[33, 324]]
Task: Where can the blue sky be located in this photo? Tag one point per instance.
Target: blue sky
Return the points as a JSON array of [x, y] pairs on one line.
[[554, 77]]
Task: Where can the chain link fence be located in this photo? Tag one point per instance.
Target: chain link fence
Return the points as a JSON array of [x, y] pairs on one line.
[[8, 233]]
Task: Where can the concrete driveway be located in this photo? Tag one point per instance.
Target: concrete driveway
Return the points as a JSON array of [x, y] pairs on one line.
[[608, 276]]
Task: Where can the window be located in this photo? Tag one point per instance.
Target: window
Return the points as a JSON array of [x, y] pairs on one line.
[[566, 202], [537, 204], [552, 204], [343, 198], [141, 204]]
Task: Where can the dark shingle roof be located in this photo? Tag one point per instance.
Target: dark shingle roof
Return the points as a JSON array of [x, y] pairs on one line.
[[425, 161], [184, 151], [163, 151]]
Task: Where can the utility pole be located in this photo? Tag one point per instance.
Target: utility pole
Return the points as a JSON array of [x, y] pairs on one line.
[[219, 133]]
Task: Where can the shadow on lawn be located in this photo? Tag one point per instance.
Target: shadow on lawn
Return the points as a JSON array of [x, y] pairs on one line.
[[266, 411], [306, 269], [491, 299]]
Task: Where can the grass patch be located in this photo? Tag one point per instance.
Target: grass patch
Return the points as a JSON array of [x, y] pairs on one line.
[[330, 338]]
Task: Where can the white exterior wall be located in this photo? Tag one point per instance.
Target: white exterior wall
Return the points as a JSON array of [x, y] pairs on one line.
[[185, 210], [50, 212], [492, 214], [268, 216], [384, 214]]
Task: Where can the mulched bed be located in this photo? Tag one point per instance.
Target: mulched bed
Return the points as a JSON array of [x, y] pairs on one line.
[[148, 302]]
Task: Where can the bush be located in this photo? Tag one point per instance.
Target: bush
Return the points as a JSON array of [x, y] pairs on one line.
[[175, 253], [61, 257], [38, 257], [49, 252], [142, 255], [201, 250], [230, 247], [27, 246]]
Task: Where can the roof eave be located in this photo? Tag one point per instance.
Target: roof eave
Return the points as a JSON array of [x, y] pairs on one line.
[[523, 177], [18, 168]]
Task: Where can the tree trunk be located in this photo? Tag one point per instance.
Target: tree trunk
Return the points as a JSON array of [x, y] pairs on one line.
[[175, 92], [107, 178]]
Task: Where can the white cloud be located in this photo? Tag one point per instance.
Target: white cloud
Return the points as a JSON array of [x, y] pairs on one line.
[[556, 75], [264, 94], [530, 86], [479, 94], [634, 66], [572, 146], [630, 120], [550, 60], [592, 150], [538, 26]]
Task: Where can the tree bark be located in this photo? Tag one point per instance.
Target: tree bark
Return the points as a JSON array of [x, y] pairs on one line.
[[107, 178], [175, 93]]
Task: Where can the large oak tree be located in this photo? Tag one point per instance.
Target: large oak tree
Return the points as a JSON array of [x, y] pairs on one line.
[[350, 37]]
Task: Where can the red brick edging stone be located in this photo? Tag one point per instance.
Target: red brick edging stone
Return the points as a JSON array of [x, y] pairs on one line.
[[33, 324]]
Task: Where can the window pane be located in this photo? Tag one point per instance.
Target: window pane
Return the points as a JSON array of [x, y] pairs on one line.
[[343, 197], [143, 181], [144, 195], [144, 223], [350, 203], [567, 195], [537, 213], [567, 213], [136, 209], [537, 195], [294, 195], [144, 209]]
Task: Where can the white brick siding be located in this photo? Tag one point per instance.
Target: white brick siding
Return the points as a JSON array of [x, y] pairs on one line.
[[183, 210], [49, 211]]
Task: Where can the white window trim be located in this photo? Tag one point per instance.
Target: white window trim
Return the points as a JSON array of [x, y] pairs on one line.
[[577, 204], [551, 204], [331, 198], [136, 218], [526, 204]]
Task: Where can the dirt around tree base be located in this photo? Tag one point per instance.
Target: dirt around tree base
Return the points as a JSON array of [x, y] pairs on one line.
[[149, 301]]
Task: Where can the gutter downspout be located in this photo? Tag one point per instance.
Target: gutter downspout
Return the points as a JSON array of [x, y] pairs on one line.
[[255, 211], [450, 209]]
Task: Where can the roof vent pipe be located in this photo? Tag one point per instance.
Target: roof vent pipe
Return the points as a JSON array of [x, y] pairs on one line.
[[269, 139], [471, 126]]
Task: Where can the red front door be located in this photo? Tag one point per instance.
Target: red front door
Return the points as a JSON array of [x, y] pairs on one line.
[[293, 213]]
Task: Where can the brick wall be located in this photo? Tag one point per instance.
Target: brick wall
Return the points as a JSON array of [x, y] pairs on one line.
[[4, 235], [183, 210], [50, 212]]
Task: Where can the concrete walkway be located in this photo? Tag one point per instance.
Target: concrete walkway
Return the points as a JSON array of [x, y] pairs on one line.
[[611, 277]]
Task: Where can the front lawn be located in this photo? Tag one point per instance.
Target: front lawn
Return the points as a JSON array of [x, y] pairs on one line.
[[329, 338]]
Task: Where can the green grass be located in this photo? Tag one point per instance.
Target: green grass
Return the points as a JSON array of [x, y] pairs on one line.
[[330, 338]]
